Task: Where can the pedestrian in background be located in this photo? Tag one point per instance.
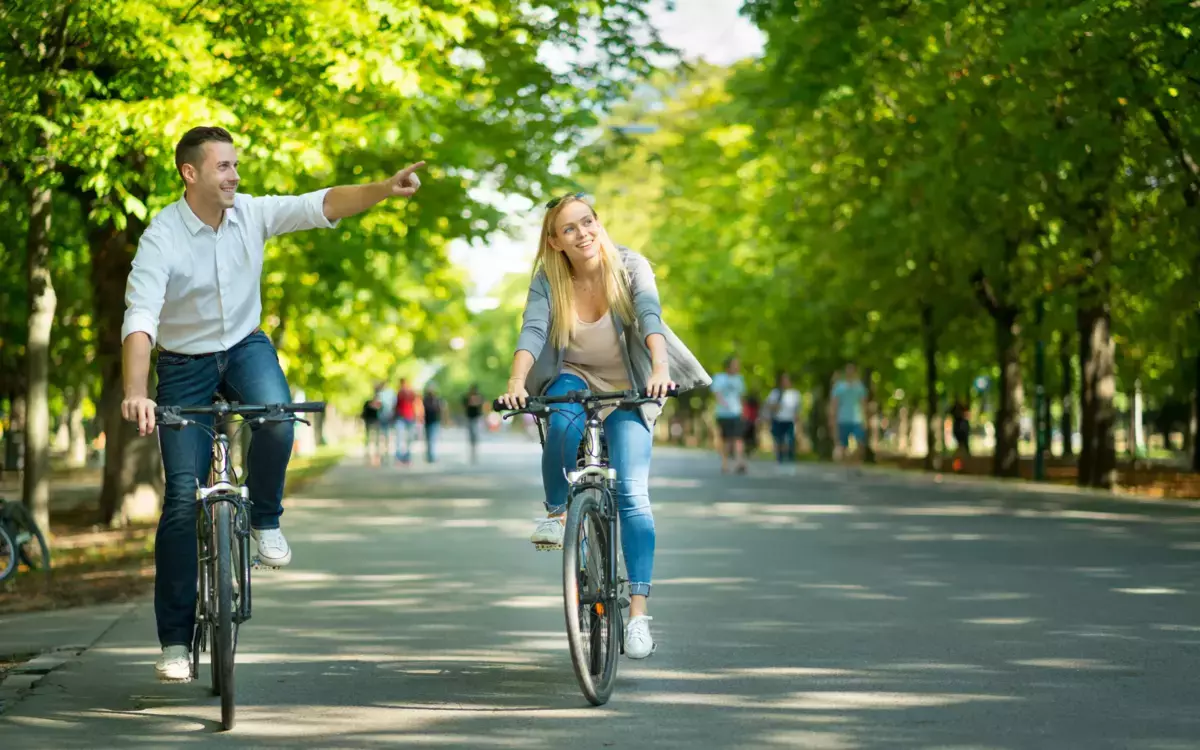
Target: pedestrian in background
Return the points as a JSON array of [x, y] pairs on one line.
[[728, 387], [783, 408], [473, 410]]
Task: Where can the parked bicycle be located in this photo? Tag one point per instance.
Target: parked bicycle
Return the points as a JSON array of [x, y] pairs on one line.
[[22, 544], [223, 602], [595, 585]]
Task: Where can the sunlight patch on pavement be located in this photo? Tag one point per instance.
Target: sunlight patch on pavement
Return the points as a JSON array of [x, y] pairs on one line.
[[1151, 591], [702, 581], [530, 602], [1001, 621], [1093, 665], [992, 596]]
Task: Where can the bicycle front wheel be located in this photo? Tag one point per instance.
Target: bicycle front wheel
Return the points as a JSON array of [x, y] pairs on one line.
[[223, 636], [591, 608]]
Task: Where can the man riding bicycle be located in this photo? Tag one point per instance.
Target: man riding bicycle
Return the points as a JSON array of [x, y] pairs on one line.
[[193, 292]]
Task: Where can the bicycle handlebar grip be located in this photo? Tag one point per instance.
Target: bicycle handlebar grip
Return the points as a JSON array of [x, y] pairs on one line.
[[671, 393], [311, 407], [499, 405]]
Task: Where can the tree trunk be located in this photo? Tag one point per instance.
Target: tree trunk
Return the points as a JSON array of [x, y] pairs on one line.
[[133, 479], [933, 459], [77, 440], [818, 420], [15, 434], [1098, 457], [1195, 421], [1066, 424], [872, 415], [42, 302], [902, 431], [1136, 430], [1008, 415]]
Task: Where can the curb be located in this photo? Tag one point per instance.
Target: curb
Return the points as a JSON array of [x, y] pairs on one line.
[[24, 678]]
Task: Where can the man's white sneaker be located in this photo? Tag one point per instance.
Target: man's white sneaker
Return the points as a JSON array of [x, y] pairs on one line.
[[273, 549], [549, 533], [638, 643], [175, 664]]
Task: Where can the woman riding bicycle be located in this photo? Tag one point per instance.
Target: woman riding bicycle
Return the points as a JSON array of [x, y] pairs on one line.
[[593, 320]]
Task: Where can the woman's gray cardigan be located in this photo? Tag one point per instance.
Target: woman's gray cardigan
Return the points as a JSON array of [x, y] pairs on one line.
[[686, 371]]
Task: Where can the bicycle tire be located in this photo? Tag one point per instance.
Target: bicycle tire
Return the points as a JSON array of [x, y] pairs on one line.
[[592, 627], [8, 554], [34, 552], [223, 640]]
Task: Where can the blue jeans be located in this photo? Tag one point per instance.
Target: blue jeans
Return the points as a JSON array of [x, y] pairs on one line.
[[431, 433], [248, 373], [629, 444], [404, 431], [784, 434]]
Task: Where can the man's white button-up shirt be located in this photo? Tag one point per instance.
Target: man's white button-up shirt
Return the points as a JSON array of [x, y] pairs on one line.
[[196, 290]]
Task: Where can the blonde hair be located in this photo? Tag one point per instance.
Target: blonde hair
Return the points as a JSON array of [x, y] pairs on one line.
[[557, 267]]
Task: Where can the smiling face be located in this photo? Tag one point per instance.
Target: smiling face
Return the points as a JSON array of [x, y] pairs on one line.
[[577, 233], [214, 179]]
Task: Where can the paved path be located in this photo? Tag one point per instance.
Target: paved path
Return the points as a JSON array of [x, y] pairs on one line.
[[821, 610]]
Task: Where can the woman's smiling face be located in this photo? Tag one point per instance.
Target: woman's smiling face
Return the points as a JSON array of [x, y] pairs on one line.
[[577, 232]]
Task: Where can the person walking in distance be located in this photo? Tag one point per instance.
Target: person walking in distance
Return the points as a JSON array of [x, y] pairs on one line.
[[473, 410], [434, 408], [729, 388], [370, 418], [387, 420], [405, 422], [194, 293], [848, 406], [783, 405], [593, 321]]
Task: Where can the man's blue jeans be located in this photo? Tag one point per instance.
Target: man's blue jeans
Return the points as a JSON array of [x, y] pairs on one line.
[[629, 444], [250, 374]]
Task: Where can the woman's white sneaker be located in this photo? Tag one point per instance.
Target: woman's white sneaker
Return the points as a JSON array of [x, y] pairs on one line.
[[638, 643], [175, 664], [549, 533]]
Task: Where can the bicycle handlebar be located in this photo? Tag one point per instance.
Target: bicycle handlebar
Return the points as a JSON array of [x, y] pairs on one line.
[[225, 409], [536, 403]]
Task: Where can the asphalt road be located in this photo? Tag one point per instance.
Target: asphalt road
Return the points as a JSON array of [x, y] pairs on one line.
[[815, 609]]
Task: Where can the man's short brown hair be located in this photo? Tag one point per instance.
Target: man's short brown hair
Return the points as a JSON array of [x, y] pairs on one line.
[[190, 149]]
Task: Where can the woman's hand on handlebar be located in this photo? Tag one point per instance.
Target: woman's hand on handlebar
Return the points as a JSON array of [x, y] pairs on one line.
[[660, 384], [516, 396]]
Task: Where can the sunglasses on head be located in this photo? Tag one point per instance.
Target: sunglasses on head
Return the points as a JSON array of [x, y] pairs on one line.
[[556, 201]]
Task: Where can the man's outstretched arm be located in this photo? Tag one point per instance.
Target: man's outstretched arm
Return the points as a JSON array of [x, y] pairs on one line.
[[348, 200]]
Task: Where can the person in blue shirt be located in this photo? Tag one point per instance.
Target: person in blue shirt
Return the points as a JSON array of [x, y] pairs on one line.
[[729, 389], [848, 405]]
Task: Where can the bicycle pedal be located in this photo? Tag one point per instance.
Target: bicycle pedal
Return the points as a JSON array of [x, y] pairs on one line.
[[547, 547], [259, 565]]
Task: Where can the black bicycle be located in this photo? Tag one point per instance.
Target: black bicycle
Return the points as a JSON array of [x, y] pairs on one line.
[[595, 586], [223, 535], [22, 544]]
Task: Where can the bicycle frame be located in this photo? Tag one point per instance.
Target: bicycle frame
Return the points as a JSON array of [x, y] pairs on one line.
[[593, 470], [222, 488]]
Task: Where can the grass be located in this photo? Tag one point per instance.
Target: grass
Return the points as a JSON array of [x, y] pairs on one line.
[[93, 565]]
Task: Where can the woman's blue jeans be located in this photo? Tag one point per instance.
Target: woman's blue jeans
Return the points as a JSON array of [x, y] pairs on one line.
[[629, 444]]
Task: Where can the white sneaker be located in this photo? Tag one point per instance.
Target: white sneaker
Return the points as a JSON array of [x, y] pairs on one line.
[[273, 549], [175, 664], [549, 532], [638, 643]]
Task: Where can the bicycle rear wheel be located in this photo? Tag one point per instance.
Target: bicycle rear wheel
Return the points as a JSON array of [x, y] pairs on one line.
[[30, 543], [592, 612], [223, 636], [8, 554]]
